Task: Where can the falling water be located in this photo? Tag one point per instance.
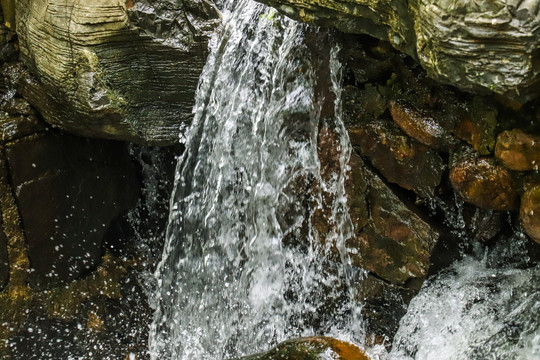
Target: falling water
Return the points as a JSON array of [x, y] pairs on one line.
[[242, 268]]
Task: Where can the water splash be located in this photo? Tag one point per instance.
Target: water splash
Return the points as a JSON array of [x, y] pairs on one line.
[[242, 267], [473, 311]]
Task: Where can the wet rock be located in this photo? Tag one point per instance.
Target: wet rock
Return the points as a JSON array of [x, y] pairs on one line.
[[529, 212], [518, 150], [396, 243], [367, 64], [361, 103], [483, 225], [478, 126], [401, 160], [483, 183], [312, 348], [422, 127], [4, 262], [483, 45], [106, 69], [69, 190], [19, 119], [383, 305]]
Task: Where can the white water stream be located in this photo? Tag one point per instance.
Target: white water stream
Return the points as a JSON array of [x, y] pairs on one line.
[[242, 267]]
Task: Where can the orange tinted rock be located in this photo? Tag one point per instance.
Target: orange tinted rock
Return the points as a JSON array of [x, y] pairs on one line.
[[529, 212], [422, 127], [312, 348], [518, 150], [483, 183]]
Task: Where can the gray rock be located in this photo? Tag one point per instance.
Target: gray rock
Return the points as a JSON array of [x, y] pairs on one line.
[[483, 45], [114, 69]]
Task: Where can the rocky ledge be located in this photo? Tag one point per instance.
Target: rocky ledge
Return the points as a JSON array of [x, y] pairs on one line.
[[486, 45]]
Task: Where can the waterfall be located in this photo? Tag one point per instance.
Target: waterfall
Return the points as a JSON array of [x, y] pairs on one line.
[[243, 268]]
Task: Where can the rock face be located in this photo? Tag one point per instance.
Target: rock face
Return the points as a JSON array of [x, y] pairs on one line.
[[483, 45], [312, 348], [114, 69]]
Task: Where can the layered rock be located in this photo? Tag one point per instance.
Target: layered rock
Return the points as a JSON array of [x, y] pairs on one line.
[[114, 69], [478, 46]]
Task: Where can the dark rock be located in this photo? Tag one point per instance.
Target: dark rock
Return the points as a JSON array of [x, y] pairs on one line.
[[383, 305], [483, 225], [4, 262], [312, 348], [478, 126], [529, 211], [483, 183], [99, 69], [518, 150], [401, 160], [396, 243], [69, 190], [361, 103]]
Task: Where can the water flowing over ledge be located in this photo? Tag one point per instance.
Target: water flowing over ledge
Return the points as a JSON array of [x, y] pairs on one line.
[[242, 268]]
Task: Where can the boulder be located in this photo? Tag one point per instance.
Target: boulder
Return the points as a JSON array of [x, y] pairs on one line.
[[529, 212], [312, 348], [483, 183], [485, 45], [518, 150], [114, 69], [68, 192]]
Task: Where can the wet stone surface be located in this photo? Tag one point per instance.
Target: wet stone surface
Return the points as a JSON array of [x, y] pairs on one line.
[[529, 211], [483, 183], [69, 190], [518, 150]]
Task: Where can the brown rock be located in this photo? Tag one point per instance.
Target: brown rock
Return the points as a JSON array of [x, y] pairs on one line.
[[518, 150], [69, 190], [312, 348], [422, 127], [400, 159], [483, 183], [529, 212], [397, 243]]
